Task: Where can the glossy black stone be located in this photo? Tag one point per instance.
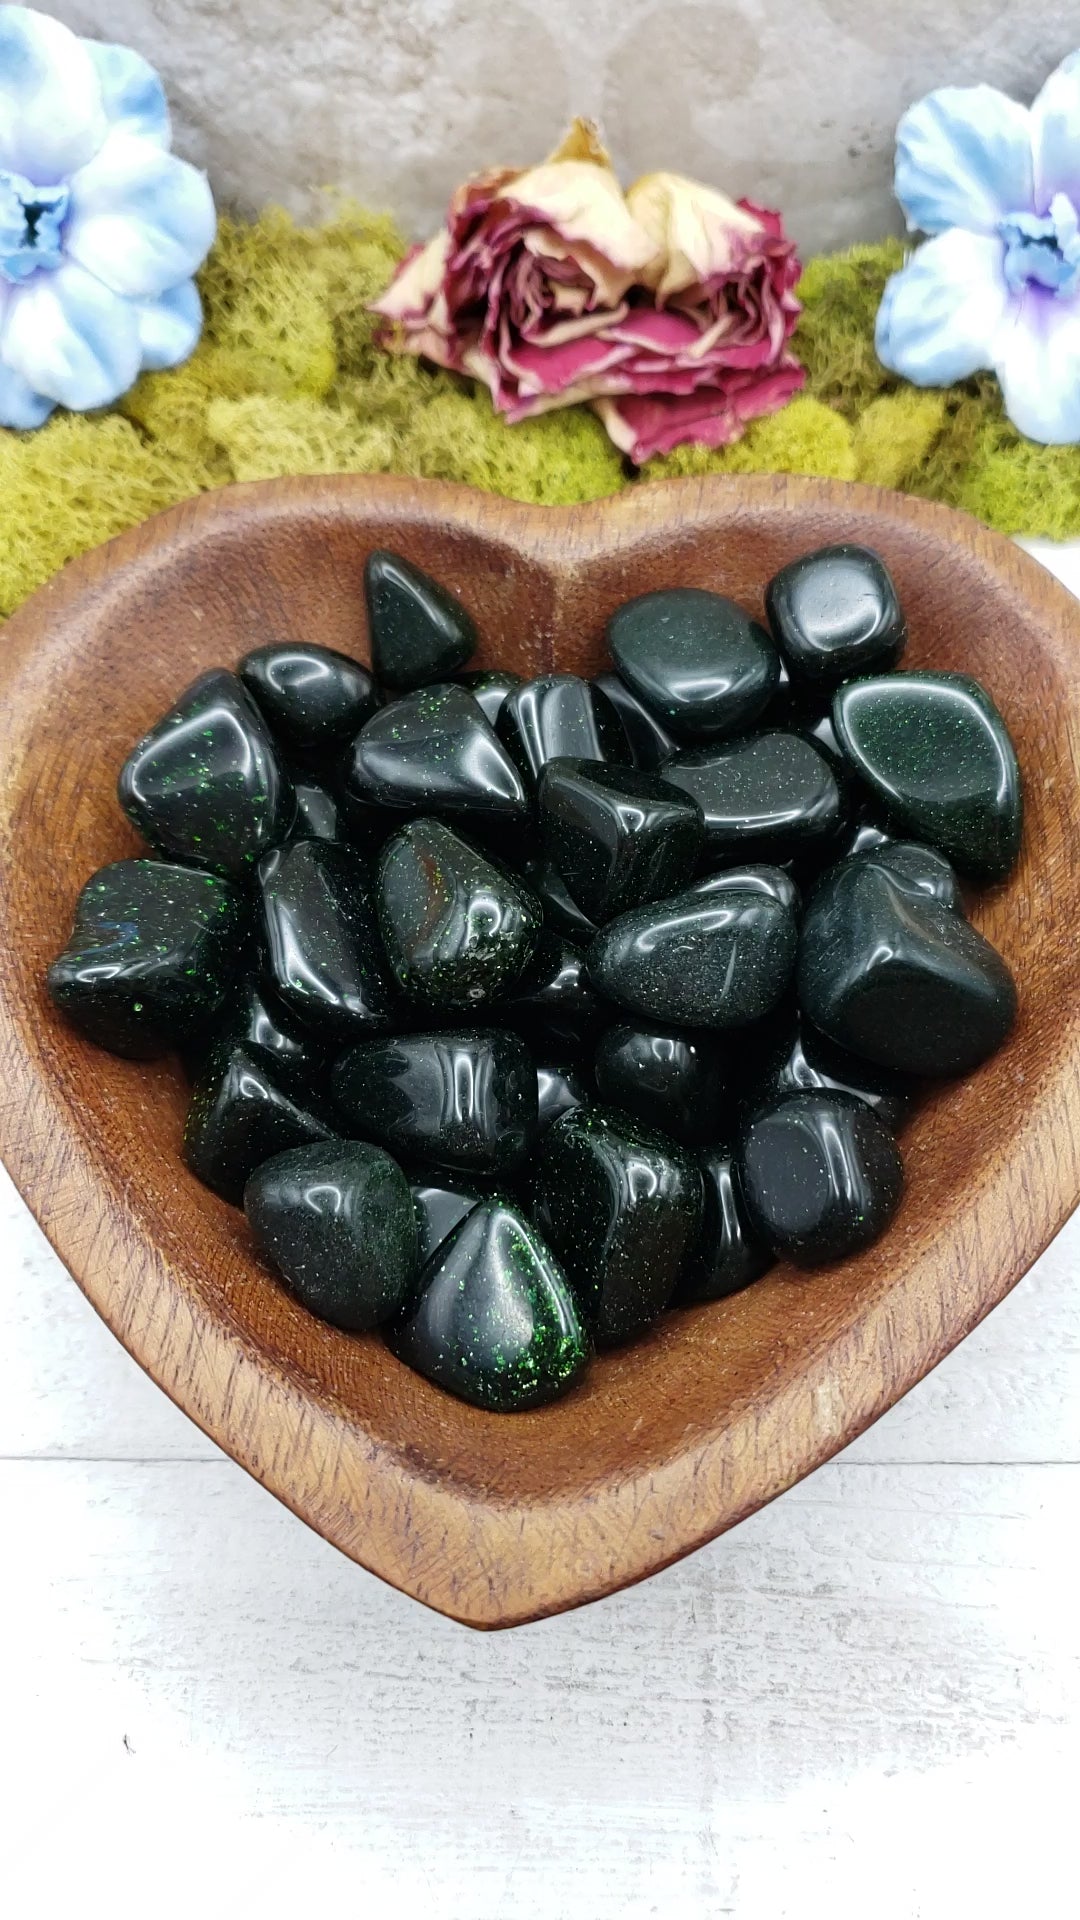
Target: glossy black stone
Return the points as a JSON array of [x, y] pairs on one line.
[[495, 1322], [489, 687], [418, 631], [727, 1254], [620, 1205], [205, 785], [772, 796], [713, 962], [836, 614], [462, 1100], [313, 698], [793, 1057], [820, 1175], [318, 816], [917, 870], [936, 754], [324, 956], [751, 876], [336, 1221], [561, 912], [618, 837], [559, 1089], [666, 1078], [457, 930], [153, 952], [433, 752], [241, 1115], [438, 1209], [897, 978], [255, 1019], [649, 741], [559, 717], [704, 667], [553, 995]]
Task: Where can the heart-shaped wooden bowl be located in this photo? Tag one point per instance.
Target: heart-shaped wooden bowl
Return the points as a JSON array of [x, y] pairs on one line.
[[495, 1519]]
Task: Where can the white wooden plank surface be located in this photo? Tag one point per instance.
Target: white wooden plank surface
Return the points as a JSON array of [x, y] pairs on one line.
[[865, 1700]]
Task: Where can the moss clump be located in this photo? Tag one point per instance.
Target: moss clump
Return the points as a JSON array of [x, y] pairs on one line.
[[834, 338], [804, 437], [895, 434]]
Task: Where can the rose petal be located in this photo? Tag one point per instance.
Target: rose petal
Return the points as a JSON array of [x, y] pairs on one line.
[[644, 425], [963, 159], [942, 316], [1038, 365], [141, 220], [131, 92], [169, 327], [584, 203], [70, 338], [696, 231], [417, 280], [51, 115]]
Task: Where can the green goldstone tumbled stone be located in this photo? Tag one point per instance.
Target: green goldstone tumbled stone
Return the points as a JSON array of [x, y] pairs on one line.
[[457, 930], [494, 1321], [439, 1207], [324, 957], [936, 753], [206, 785], [336, 1220], [836, 614], [240, 1116], [419, 632], [770, 796], [153, 953], [617, 836], [820, 1176], [434, 752], [313, 698], [621, 1206], [716, 960], [464, 1099], [698, 661]]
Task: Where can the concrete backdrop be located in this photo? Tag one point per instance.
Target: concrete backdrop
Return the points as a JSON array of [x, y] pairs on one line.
[[793, 102]]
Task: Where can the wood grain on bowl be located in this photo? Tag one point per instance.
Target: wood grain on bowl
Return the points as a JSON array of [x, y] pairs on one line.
[[496, 1520]]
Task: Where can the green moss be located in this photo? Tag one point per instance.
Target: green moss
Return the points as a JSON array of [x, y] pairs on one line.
[[289, 378]]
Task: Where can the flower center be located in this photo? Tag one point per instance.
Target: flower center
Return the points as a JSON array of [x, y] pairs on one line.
[[31, 223], [1043, 250]]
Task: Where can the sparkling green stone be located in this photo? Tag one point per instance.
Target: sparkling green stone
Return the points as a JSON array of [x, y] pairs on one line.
[[419, 632], [313, 698], [434, 752], [494, 1321], [820, 1176], [698, 661], [618, 837], [771, 796], [324, 957], [716, 960], [240, 1116], [464, 1099], [335, 1218], [457, 930], [836, 614]]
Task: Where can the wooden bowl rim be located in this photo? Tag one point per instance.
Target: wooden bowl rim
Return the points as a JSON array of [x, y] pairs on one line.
[[52, 1161]]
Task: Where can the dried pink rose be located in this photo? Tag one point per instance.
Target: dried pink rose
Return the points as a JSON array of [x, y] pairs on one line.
[[668, 308]]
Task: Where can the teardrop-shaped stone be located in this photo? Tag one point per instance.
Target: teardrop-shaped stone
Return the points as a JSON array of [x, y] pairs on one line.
[[206, 785], [153, 951], [936, 753], [553, 995], [712, 962], [494, 1322], [465, 1099], [336, 1220], [620, 1205], [617, 836], [727, 1254], [665, 1078], [457, 930], [489, 687], [433, 752], [793, 1057], [312, 698], [559, 1089], [898, 978], [703, 666], [836, 614], [418, 631], [324, 955], [439, 1207], [240, 1115], [771, 796], [649, 741], [821, 1176], [559, 717]]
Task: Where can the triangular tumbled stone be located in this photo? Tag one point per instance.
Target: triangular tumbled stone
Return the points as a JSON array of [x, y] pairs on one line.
[[419, 632], [434, 752], [457, 930]]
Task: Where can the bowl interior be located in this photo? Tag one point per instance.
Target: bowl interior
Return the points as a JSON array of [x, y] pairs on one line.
[[667, 1440]]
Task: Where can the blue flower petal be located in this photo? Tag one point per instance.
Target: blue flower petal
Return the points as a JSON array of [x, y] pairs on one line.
[[51, 115], [20, 406], [169, 328], [141, 220], [963, 159], [1039, 368], [942, 316], [1055, 135], [131, 92], [71, 338]]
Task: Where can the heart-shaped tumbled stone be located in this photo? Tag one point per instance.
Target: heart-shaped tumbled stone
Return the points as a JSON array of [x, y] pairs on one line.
[[836, 614], [206, 785], [434, 752], [771, 796], [323, 950], [465, 1099], [620, 1205], [418, 631], [336, 1220], [716, 960], [702, 665], [821, 1176], [494, 1321], [899, 978], [153, 951], [559, 717], [457, 930], [936, 753], [617, 836], [313, 698]]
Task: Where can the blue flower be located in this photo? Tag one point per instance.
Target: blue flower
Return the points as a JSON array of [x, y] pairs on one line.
[[998, 286], [101, 227]]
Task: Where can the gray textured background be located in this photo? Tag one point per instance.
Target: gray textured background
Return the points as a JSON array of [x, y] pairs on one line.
[[791, 101]]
